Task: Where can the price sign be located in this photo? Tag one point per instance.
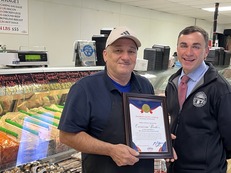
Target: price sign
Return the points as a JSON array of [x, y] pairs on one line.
[[14, 16]]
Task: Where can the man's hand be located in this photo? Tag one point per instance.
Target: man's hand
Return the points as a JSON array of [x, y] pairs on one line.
[[124, 155], [174, 152]]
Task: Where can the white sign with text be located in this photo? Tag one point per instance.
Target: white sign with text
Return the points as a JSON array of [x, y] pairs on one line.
[[14, 16]]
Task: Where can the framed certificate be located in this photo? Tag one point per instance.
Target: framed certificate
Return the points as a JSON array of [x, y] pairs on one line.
[[147, 125]]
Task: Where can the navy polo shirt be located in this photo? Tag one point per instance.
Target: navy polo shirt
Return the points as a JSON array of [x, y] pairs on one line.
[[89, 102]]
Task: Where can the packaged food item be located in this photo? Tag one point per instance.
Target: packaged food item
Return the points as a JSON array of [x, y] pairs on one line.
[[85, 53], [34, 138], [8, 149], [5, 104], [160, 166]]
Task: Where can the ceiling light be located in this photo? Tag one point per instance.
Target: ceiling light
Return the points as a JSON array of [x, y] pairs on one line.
[[228, 8]]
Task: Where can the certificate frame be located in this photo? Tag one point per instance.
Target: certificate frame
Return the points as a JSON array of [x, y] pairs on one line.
[[147, 125]]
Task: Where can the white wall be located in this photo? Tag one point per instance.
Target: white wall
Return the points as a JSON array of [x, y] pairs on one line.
[[227, 26], [56, 24]]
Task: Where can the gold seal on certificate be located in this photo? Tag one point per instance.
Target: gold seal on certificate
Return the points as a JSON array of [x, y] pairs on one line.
[[146, 125]]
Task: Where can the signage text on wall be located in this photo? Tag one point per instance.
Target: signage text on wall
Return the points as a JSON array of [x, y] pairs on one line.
[[14, 16]]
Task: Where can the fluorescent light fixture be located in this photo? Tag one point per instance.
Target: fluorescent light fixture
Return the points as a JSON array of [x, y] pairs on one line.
[[228, 8]]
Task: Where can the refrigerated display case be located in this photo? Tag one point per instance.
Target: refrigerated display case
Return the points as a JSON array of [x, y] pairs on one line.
[[226, 72], [159, 79], [31, 102]]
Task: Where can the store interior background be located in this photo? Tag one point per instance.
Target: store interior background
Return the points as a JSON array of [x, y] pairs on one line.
[[56, 24]]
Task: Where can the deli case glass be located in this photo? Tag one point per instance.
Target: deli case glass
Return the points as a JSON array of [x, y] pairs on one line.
[[31, 102], [159, 79]]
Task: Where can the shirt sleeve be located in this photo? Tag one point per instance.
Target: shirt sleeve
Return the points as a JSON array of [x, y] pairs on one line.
[[76, 114]]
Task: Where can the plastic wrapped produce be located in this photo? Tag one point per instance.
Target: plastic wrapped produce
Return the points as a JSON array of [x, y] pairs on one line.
[[27, 123], [33, 136]]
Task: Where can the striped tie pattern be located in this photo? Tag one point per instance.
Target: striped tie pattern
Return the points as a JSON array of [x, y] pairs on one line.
[[182, 89]]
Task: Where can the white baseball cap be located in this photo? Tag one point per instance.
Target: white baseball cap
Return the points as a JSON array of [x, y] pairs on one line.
[[122, 32]]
